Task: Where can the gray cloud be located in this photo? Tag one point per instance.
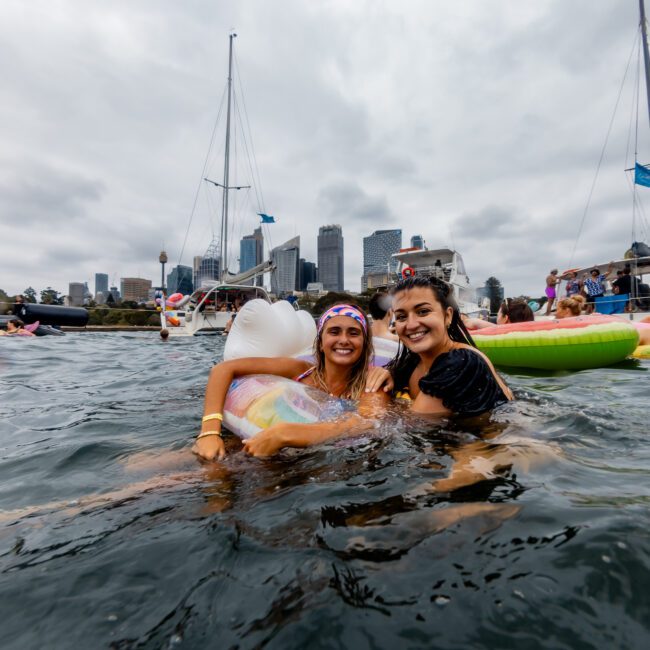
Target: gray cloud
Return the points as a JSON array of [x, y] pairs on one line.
[[347, 201], [475, 124]]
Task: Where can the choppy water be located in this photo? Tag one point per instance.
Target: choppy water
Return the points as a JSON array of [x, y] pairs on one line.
[[113, 535]]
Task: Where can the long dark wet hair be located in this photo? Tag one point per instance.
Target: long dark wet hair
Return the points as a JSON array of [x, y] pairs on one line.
[[403, 365]]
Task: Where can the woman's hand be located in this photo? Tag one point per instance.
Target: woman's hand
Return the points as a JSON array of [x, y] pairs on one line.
[[378, 378], [209, 448], [266, 443]]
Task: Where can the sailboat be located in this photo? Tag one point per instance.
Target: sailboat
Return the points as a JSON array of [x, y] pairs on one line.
[[212, 305], [636, 305]]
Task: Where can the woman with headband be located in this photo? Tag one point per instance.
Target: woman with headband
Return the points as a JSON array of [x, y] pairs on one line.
[[342, 354]]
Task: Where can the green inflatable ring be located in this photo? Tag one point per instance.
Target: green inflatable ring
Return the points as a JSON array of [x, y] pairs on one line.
[[566, 344]]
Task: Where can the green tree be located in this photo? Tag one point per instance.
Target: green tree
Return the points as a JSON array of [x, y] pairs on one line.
[[110, 301], [30, 295], [494, 293], [50, 296]]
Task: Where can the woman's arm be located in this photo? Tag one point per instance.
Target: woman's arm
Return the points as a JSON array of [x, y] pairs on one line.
[[271, 440], [221, 376]]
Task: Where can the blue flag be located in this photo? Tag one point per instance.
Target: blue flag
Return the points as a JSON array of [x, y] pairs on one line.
[[268, 219], [641, 175]]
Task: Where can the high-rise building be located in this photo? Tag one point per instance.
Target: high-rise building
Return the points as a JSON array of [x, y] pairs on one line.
[[330, 257], [180, 280], [251, 250], [378, 249], [306, 274], [196, 270], [210, 266], [114, 292], [417, 241], [101, 283], [76, 293], [286, 259], [136, 289]]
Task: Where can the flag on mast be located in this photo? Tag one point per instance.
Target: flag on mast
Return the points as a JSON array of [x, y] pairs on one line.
[[266, 218], [641, 175]]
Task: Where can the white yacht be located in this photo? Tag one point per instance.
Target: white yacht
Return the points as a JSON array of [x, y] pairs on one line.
[[443, 263]]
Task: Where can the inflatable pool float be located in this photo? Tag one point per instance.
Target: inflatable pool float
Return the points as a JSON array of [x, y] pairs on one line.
[[256, 402], [278, 330], [642, 352], [566, 344]]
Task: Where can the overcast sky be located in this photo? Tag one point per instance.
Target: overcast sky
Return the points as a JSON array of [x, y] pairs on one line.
[[477, 124]]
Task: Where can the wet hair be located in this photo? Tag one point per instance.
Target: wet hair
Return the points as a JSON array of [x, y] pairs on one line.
[[16, 322], [403, 365], [573, 303], [517, 311], [164, 334], [379, 305], [359, 371]]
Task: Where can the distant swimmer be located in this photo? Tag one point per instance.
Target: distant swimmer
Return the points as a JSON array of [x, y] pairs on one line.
[[16, 327]]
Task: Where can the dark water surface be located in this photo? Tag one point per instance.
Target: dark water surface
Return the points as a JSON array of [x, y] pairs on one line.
[[113, 535]]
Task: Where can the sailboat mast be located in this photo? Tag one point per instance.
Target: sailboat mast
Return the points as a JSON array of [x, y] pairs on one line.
[[646, 55], [226, 170]]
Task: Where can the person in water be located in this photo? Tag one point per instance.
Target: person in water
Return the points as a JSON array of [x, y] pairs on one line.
[[570, 306], [342, 353], [381, 312], [16, 327], [511, 310], [438, 366]]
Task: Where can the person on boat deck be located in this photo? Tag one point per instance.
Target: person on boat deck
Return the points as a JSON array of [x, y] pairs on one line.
[[626, 282], [16, 327], [571, 306], [573, 286], [381, 313], [438, 366], [342, 352], [594, 286], [551, 282], [17, 307]]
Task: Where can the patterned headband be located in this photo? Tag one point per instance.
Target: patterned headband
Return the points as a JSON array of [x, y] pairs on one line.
[[343, 310]]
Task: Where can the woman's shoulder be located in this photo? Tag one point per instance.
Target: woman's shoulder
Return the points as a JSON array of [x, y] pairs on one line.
[[465, 381]]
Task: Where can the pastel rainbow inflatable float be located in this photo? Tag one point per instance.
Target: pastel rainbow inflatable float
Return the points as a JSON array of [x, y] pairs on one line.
[[566, 344], [256, 402]]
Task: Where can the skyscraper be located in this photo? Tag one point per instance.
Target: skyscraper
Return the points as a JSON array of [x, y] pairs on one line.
[[196, 270], [417, 241], [330, 257], [378, 263], [307, 274], [209, 267], [251, 250], [76, 293], [135, 289], [286, 258], [180, 280], [101, 283]]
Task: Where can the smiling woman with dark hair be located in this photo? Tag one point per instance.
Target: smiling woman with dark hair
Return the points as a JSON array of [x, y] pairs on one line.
[[438, 365]]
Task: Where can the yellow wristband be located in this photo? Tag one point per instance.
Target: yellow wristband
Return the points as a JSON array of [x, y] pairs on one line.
[[212, 416], [205, 434]]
